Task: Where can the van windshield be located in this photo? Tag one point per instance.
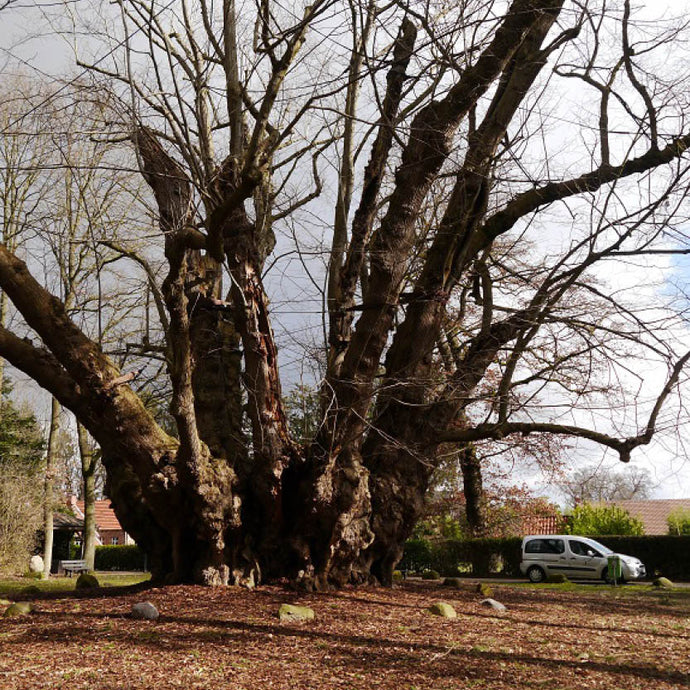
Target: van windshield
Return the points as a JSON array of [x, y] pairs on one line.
[[604, 549]]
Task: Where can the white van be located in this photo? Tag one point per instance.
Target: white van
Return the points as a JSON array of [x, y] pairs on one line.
[[579, 558]]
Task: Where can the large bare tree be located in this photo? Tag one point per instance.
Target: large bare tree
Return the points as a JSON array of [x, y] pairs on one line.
[[465, 298]]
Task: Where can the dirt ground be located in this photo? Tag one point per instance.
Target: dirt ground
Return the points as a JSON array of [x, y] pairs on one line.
[[361, 639]]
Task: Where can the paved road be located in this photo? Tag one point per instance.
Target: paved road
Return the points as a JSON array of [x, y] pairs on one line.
[[523, 581]]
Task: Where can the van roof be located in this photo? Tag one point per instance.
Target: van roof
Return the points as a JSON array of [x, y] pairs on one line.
[[589, 540], [558, 536]]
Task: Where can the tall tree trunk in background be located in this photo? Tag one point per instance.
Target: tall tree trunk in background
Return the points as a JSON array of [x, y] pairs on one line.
[[88, 469], [3, 321], [474, 491], [48, 497]]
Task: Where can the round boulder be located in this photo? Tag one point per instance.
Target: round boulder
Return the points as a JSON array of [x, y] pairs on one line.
[[87, 581], [289, 612], [485, 589], [145, 610], [36, 564], [495, 605], [19, 608], [443, 609]]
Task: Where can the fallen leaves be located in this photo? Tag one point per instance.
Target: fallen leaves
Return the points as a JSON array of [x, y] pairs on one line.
[[360, 639]]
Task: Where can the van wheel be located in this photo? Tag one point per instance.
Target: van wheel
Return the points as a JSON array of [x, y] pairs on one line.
[[536, 574]]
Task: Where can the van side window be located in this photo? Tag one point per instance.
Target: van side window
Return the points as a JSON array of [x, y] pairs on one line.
[[582, 549], [545, 546]]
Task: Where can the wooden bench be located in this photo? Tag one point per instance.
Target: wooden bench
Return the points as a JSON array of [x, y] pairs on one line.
[[71, 567]]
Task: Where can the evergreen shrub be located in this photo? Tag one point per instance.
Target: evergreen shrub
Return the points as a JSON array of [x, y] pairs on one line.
[[120, 557], [661, 554], [450, 558]]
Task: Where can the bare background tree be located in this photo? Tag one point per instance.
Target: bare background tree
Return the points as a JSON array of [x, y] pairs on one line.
[[603, 485], [58, 206], [489, 166]]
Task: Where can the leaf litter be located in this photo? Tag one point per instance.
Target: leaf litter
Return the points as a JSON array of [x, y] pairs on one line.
[[361, 639]]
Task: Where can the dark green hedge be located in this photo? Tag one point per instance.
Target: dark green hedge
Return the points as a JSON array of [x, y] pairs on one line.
[[662, 555], [471, 556], [122, 557]]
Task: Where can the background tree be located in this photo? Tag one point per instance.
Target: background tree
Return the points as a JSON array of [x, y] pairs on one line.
[[83, 209], [679, 521], [21, 490], [61, 208], [49, 497], [23, 186], [587, 519], [303, 412], [474, 223], [509, 511], [22, 183], [596, 484]]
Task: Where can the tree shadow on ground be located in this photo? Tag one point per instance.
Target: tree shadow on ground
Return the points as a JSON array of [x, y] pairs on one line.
[[29, 594], [368, 652]]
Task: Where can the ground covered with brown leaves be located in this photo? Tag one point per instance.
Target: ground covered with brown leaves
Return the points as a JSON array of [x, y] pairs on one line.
[[362, 638]]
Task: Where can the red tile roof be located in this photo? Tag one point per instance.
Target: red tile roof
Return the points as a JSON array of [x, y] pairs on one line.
[[105, 517], [542, 524], [654, 513]]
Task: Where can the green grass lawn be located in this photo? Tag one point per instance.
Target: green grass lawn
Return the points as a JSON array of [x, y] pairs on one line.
[[14, 585], [679, 596]]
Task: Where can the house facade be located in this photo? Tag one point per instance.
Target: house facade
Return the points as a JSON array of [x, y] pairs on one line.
[[109, 532]]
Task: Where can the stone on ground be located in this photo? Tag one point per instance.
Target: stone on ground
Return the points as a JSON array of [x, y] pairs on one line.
[[664, 583], [443, 609], [485, 590], [456, 582], [290, 612], [492, 603], [87, 581], [36, 564], [145, 610], [19, 608]]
